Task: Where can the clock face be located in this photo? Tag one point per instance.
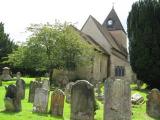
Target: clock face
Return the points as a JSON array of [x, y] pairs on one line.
[[110, 22]]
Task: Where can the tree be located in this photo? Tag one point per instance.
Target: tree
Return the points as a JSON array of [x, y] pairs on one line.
[[63, 46], [51, 47], [144, 40], [6, 45]]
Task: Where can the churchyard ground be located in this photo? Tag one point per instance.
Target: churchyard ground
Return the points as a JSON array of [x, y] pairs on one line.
[[139, 111]]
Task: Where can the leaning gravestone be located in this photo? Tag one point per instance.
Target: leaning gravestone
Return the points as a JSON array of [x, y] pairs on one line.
[[117, 100], [57, 102], [32, 87], [153, 103], [21, 88], [82, 101], [68, 91], [6, 74], [41, 100], [12, 100]]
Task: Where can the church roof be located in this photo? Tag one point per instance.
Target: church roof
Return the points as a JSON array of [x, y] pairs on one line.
[[89, 39], [109, 37], [112, 22]]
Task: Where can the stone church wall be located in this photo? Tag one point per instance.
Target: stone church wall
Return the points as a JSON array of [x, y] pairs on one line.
[[90, 28], [93, 73], [97, 71], [116, 61]]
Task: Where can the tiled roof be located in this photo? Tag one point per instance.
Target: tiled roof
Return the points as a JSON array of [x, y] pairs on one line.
[[91, 40], [116, 25], [114, 43]]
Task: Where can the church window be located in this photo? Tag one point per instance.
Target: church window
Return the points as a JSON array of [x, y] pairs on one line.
[[119, 71]]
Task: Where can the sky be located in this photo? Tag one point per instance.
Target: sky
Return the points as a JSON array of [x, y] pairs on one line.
[[17, 15]]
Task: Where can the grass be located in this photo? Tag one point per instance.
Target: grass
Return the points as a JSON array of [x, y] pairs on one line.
[[139, 112]]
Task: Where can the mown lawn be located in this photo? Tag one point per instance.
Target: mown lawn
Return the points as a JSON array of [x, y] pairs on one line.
[[26, 113]]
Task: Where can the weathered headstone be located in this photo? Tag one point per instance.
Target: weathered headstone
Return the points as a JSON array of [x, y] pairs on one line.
[[18, 75], [99, 96], [153, 103], [137, 99], [46, 75], [57, 103], [12, 100], [139, 84], [98, 86], [61, 77], [38, 79], [68, 91], [46, 84], [82, 101], [21, 88], [117, 104], [41, 100], [6, 74], [32, 88]]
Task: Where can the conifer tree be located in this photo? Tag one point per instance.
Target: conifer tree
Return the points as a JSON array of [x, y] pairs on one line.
[[6, 45], [144, 41]]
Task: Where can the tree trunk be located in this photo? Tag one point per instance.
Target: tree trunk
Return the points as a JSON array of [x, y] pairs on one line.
[[51, 76]]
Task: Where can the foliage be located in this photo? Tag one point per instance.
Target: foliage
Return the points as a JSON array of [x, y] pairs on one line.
[[64, 47], [144, 40], [27, 58], [52, 46], [6, 45]]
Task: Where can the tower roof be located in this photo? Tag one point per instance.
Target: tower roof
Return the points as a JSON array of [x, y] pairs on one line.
[[108, 37], [112, 22]]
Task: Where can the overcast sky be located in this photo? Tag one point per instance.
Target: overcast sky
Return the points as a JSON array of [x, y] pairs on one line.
[[19, 14]]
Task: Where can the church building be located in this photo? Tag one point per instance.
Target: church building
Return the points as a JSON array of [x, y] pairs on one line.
[[111, 57], [111, 39]]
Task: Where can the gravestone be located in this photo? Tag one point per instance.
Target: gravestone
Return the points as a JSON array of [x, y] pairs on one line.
[[18, 75], [6, 74], [57, 103], [41, 100], [12, 100], [117, 104], [21, 88], [82, 101], [46, 84], [46, 75], [68, 91], [38, 79], [153, 103], [32, 87], [139, 84]]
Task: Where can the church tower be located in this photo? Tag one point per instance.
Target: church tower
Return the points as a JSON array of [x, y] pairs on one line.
[[114, 26]]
